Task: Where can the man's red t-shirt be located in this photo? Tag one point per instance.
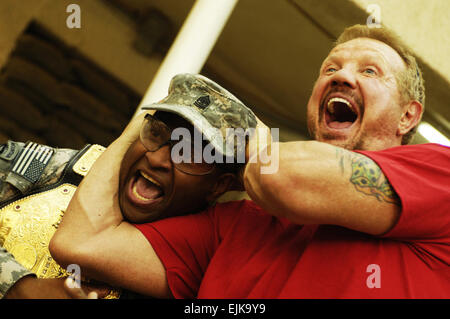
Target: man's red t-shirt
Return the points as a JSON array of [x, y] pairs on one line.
[[236, 250]]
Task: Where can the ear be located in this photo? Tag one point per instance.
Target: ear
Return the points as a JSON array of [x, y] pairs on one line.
[[410, 118], [224, 183]]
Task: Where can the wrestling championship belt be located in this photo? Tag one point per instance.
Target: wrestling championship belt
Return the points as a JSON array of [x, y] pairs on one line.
[[28, 222]]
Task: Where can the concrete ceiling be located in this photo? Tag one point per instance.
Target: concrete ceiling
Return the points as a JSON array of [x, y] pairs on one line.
[[270, 51]]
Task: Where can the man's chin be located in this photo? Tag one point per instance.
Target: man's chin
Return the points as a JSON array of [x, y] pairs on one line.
[[347, 143], [338, 143], [135, 215]]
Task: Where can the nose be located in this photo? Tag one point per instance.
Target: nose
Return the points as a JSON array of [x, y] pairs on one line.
[[159, 159], [344, 77]]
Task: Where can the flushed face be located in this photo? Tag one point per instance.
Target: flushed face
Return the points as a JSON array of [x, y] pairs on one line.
[[355, 103]]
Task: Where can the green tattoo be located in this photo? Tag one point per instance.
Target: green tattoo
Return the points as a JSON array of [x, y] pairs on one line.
[[367, 176]]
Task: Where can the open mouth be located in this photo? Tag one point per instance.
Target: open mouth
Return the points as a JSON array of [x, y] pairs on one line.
[[340, 113], [145, 190]]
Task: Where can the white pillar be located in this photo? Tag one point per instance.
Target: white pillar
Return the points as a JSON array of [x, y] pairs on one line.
[[192, 45]]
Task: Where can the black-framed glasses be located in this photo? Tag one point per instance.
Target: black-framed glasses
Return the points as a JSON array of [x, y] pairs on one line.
[[186, 157]]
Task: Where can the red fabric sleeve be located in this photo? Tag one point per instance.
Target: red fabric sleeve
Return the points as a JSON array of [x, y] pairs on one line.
[[420, 174], [184, 245]]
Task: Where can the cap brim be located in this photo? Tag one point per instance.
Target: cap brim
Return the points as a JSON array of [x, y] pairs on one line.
[[212, 133]]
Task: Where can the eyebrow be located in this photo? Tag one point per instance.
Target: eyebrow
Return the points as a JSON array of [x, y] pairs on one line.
[[368, 58]]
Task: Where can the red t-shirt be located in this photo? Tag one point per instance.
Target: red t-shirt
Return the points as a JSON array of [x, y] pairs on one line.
[[236, 250]]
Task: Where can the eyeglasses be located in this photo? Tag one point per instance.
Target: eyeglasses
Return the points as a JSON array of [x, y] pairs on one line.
[[155, 134]]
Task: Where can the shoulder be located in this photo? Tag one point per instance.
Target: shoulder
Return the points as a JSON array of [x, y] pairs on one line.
[[229, 213], [430, 147], [418, 173], [413, 148], [422, 149], [413, 162], [236, 207], [416, 155]]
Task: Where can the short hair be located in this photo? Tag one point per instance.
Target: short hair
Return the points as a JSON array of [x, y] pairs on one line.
[[410, 82]]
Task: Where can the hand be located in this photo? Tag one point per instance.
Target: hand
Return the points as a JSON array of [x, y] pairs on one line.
[[78, 292], [30, 287], [258, 142]]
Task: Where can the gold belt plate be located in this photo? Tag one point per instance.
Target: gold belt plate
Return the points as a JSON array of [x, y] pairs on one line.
[[27, 226]]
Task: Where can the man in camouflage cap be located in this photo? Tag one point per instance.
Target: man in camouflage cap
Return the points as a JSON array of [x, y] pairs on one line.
[[211, 109], [152, 184], [198, 113]]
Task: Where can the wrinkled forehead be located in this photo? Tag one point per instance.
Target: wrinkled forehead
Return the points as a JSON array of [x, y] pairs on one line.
[[369, 49]]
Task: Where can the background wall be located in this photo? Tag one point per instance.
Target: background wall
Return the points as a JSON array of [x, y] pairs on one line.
[[268, 53]]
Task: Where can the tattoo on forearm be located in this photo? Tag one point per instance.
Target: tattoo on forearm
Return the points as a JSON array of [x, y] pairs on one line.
[[367, 176]]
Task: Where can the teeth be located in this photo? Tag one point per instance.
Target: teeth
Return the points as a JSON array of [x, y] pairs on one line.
[[150, 179], [139, 195], [331, 102]]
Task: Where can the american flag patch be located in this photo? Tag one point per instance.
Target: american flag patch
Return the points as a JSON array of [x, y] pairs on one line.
[[32, 161]]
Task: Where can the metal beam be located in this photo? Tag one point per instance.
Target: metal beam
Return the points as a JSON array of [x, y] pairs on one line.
[[192, 45]]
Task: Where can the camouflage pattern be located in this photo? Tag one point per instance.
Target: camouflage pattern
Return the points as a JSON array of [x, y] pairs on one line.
[[12, 186], [10, 271], [209, 107]]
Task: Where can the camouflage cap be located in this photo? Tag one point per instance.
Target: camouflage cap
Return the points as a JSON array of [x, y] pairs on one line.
[[208, 107]]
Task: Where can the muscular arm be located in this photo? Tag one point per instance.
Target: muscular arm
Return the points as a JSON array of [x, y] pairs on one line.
[[318, 183], [94, 235]]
